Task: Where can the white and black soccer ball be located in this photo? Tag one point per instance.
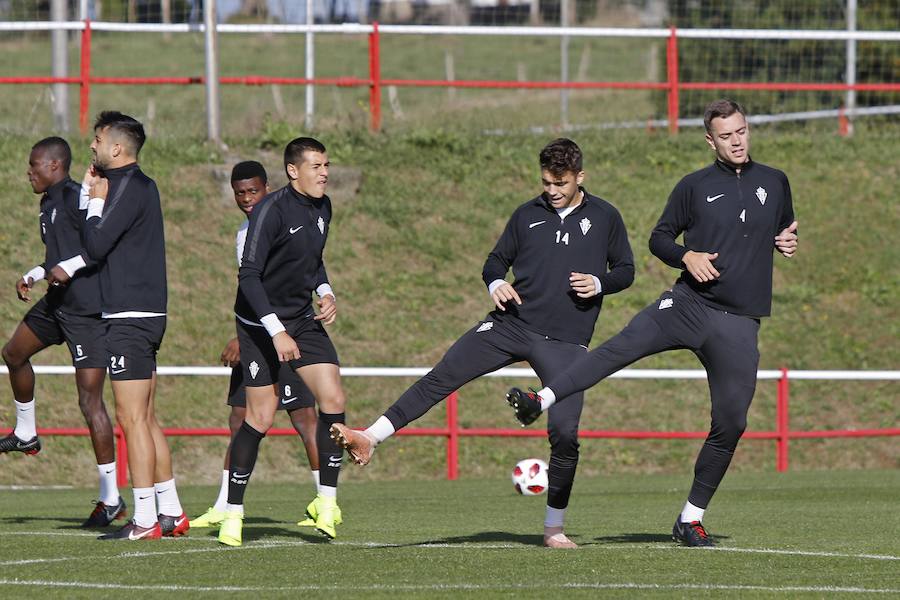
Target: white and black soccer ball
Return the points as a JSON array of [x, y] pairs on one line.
[[530, 477]]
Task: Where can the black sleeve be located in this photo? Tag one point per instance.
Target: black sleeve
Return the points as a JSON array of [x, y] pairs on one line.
[[787, 208], [101, 234], [503, 254], [321, 273], [676, 217], [78, 219], [264, 228], [618, 257]]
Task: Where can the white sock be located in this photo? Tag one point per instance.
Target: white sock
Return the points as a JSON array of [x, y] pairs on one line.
[[691, 513], [25, 425], [222, 499], [381, 429], [328, 491], [232, 508], [548, 398], [315, 476], [554, 517], [144, 507], [167, 498], [109, 489]]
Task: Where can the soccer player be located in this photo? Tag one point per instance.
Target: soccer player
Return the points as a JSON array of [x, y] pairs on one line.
[[280, 268], [249, 182], [124, 233], [733, 213], [71, 315], [568, 249]]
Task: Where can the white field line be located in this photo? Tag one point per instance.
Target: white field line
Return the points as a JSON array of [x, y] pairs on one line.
[[297, 543], [447, 586], [16, 488]]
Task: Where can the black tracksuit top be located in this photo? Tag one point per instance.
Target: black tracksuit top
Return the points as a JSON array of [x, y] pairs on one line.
[[737, 215], [282, 262], [61, 226], [543, 252], [129, 240]]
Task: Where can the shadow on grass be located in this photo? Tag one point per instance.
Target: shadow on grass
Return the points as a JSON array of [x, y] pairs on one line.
[[503, 537], [644, 538]]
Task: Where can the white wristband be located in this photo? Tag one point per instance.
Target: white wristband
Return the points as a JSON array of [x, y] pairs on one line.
[[85, 196], [494, 285], [325, 290], [95, 207], [597, 287], [72, 265], [35, 274], [272, 324]]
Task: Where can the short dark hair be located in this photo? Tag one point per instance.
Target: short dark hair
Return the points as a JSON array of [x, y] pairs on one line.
[[560, 156], [248, 170], [723, 108], [124, 125], [56, 148], [293, 152]]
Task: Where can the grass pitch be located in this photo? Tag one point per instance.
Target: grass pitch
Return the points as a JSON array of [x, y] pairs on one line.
[[807, 534]]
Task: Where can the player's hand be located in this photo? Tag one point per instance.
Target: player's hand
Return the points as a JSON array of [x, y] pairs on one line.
[[786, 241], [231, 355], [23, 288], [327, 309], [286, 347], [99, 187], [505, 293], [58, 276], [583, 284], [699, 264]]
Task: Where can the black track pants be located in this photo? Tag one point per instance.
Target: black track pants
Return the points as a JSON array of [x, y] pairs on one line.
[[726, 344], [489, 346]]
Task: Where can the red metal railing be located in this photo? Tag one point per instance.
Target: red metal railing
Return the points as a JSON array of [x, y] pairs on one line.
[[782, 433], [375, 82]]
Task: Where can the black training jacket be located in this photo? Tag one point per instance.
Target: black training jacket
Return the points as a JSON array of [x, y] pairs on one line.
[[737, 215], [543, 252], [282, 262], [130, 240], [61, 227]]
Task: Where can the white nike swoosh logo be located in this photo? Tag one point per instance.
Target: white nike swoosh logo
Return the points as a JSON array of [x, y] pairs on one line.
[[294, 230], [334, 459], [80, 358], [533, 225], [713, 198], [114, 372], [131, 535], [288, 400]]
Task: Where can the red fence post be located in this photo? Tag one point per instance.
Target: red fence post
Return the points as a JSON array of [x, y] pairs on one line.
[[781, 422], [85, 99], [672, 71], [843, 122], [121, 458], [375, 77], [452, 437]]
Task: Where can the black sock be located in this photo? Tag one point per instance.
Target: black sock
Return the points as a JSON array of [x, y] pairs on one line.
[[244, 449], [330, 454]]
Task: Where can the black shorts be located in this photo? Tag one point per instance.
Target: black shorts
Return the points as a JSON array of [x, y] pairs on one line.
[[292, 392], [131, 345], [258, 356], [83, 334]]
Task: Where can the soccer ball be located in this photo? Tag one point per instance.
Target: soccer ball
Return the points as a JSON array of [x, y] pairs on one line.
[[530, 477]]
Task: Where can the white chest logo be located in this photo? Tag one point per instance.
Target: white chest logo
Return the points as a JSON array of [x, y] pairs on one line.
[[761, 194], [321, 224], [666, 303], [254, 369], [53, 216], [486, 326], [585, 225]]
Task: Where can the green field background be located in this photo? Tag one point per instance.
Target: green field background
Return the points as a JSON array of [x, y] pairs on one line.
[[417, 209]]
